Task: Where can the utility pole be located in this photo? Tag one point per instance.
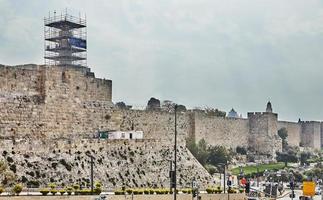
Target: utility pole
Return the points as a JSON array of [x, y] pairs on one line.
[[224, 180], [171, 176], [92, 163], [257, 175], [175, 152]]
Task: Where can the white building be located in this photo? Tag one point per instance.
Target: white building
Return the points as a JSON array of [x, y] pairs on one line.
[[125, 135]]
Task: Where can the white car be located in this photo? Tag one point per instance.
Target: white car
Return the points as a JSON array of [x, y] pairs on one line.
[[318, 190]]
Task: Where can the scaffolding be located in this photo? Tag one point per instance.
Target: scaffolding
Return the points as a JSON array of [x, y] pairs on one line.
[[65, 41]]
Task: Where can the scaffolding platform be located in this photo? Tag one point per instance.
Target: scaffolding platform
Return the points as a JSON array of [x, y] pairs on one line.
[[65, 41]]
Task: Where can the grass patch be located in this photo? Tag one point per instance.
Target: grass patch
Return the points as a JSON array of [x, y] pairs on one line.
[[262, 167]]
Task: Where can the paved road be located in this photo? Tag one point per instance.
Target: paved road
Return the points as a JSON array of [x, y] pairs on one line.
[[299, 193]]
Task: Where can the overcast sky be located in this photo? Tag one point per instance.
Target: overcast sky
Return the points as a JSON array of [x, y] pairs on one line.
[[223, 54]]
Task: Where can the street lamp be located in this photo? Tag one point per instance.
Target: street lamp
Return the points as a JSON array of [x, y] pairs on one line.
[[224, 177], [175, 152], [292, 185], [92, 162]]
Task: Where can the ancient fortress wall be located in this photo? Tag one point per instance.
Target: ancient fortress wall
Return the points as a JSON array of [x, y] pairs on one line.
[[51, 102], [229, 132], [70, 84], [263, 133], [311, 134], [19, 80], [36, 101], [294, 131]]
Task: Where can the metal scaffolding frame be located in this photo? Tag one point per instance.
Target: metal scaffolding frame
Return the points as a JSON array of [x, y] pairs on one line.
[[65, 42]]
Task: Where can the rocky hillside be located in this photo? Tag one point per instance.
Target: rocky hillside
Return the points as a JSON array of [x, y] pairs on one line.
[[135, 164]]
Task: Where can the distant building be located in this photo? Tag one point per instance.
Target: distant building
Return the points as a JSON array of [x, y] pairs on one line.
[[114, 135], [233, 114]]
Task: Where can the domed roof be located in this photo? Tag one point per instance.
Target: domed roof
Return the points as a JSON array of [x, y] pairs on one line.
[[233, 114], [269, 107]]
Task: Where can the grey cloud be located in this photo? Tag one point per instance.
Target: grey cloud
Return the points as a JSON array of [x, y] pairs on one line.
[[210, 52]]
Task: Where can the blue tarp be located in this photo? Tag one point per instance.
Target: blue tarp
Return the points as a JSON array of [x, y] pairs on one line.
[[77, 42]]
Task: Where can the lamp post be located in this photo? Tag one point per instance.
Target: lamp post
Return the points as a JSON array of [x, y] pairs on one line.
[[292, 185], [175, 152], [92, 162], [224, 177], [257, 175]]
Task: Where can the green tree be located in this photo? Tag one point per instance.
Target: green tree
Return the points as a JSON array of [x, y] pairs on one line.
[[218, 155], [287, 156], [7, 177], [191, 145], [202, 152], [283, 134], [199, 150], [304, 157]]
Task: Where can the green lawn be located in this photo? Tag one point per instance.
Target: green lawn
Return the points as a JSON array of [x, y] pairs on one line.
[[262, 167]]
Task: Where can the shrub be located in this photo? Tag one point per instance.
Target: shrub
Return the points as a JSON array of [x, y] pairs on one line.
[[187, 191], [241, 190], [129, 191], [69, 190], [76, 187], [52, 185], [119, 192], [146, 191], [231, 191], [151, 191], [17, 189], [1, 190], [44, 191], [53, 191], [85, 192], [210, 190], [98, 184], [62, 191], [97, 190]]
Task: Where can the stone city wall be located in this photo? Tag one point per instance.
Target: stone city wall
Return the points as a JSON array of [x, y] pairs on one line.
[[311, 133], [50, 103], [229, 132], [73, 85], [17, 80], [294, 130], [263, 136]]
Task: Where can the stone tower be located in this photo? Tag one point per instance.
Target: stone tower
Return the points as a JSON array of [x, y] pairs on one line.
[[263, 138], [269, 107]]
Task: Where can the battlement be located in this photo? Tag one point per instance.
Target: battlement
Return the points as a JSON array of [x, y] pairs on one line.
[[51, 82], [261, 113], [309, 122]]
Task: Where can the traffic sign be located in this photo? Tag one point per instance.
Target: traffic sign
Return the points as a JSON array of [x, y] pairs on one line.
[[308, 188]]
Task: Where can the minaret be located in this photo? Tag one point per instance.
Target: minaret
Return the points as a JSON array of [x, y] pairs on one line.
[[269, 108]]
